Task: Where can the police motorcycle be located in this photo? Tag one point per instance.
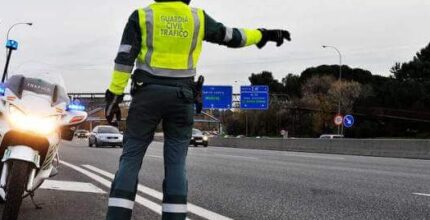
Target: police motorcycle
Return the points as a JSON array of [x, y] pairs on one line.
[[35, 114]]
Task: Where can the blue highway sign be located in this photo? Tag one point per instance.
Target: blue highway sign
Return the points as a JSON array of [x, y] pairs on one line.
[[217, 97], [254, 97], [348, 121]]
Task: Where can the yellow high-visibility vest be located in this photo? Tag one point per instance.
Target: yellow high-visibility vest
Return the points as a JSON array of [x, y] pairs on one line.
[[171, 42], [172, 38]]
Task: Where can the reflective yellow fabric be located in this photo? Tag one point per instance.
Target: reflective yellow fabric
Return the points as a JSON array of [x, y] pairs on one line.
[[119, 82], [253, 36], [172, 36]]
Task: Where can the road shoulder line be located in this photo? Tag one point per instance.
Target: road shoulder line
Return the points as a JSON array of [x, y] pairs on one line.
[[158, 195], [140, 200], [421, 194]]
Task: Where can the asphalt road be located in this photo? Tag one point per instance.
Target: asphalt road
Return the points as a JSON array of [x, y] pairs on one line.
[[244, 184]]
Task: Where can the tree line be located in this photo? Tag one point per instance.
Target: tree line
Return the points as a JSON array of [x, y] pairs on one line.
[[305, 105]]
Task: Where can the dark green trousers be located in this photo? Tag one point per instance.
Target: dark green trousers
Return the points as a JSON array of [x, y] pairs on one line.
[[152, 104]]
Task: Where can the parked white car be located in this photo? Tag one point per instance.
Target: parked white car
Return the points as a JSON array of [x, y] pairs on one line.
[[105, 135]]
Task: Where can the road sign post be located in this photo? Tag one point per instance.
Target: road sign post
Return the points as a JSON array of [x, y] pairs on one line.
[[217, 97], [246, 124]]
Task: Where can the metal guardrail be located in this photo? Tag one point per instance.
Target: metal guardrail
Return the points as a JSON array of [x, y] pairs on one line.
[[397, 148]]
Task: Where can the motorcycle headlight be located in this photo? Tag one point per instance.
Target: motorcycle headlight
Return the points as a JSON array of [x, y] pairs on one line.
[[40, 125]]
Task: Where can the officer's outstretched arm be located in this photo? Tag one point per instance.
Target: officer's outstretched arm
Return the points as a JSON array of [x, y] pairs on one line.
[[127, 54], [124, 64], [216, 32]]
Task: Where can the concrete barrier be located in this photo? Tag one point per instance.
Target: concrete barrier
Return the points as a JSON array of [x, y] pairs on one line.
[[401, 148]]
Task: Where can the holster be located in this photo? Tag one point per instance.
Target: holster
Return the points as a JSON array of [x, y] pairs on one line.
[[198, 94], [141, 79], [133, 88]]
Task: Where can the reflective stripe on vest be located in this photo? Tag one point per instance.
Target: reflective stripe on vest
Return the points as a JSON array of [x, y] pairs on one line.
[[172, 37]]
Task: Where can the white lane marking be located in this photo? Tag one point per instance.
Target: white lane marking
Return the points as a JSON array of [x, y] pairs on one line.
[[296, 165], [142, 201], [158, 195], [290, 154], [421, 194], [155, 156], [233, 156], [140, 187], [71, 186]]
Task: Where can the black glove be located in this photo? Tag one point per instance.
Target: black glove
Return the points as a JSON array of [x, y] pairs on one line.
[[112, 107], [277, 36]]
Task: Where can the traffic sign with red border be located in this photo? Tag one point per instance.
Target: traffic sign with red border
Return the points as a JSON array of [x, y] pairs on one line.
[[338, 120]]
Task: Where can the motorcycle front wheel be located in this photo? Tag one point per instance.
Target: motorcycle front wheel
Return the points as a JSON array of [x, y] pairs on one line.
[[16, 183]]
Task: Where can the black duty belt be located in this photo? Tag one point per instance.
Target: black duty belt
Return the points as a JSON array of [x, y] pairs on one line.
[[141, 78]]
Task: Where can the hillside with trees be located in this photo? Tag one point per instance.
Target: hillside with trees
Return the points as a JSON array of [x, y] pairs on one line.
[[305, 104]]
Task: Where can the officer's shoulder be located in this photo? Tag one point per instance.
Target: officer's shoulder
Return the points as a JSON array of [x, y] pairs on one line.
[[134, 15]]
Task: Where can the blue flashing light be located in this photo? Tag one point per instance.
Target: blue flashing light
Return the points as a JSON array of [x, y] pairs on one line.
[[12, 44], [75, 107], [2, 89]]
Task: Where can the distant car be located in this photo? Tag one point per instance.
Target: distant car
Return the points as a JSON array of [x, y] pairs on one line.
[[331, 136], [240, 136], [198, 138], [105, 136], [82, 133]]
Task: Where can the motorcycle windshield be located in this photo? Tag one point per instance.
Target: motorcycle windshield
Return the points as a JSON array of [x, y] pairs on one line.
[[38, 91]]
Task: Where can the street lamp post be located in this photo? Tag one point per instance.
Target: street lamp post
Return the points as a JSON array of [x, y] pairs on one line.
[[11, 45], [340, 80]]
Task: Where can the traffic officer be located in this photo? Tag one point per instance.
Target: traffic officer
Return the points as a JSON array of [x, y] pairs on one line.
[[162, 43]]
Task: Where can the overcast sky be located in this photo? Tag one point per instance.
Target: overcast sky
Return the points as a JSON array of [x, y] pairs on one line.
[[80, 38]]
